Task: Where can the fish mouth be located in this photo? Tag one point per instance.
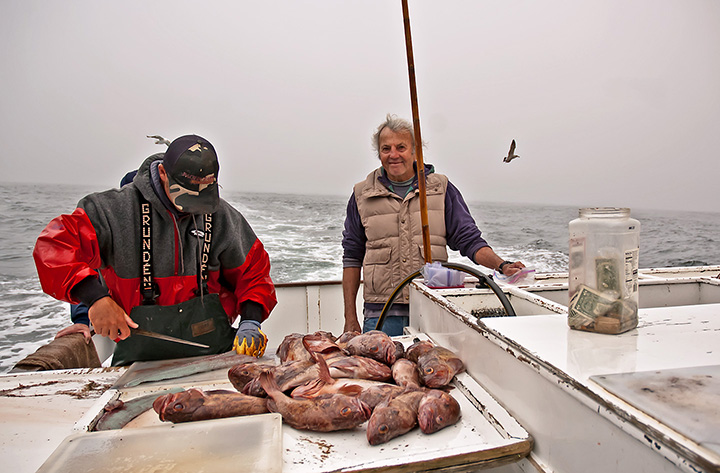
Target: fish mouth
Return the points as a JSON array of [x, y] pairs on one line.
[[161, 403], [390, 357]]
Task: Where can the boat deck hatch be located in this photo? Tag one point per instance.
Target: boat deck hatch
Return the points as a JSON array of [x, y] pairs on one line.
[[685, 399]]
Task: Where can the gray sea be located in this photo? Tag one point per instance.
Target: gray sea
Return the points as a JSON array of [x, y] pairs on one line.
[[302, 234]]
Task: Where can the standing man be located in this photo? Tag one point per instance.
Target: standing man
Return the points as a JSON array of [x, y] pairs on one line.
[[173, 257], [383, 230]]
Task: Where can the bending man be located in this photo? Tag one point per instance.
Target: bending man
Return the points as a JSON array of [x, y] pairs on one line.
[[173, 258]]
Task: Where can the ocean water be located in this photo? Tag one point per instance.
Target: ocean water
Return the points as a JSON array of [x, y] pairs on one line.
[[302, 234]]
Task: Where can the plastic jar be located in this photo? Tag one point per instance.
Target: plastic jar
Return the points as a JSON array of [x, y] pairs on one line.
[[603, 270]]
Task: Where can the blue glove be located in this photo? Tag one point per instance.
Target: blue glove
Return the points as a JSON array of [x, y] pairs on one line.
[[250, 340]]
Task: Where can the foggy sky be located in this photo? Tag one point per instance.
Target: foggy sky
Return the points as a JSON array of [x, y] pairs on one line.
[[611, 102]]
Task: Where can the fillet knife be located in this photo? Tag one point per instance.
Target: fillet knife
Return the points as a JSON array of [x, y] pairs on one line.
[[159, 336]]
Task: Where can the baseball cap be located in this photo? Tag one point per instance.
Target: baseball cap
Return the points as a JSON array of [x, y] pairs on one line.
[[192, 169]]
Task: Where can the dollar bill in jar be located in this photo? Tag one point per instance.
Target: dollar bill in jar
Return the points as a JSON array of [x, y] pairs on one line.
[[608, 276], [594, 311]]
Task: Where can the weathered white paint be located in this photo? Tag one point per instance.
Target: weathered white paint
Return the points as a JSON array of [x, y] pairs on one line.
[[533, 365], [540, 371]]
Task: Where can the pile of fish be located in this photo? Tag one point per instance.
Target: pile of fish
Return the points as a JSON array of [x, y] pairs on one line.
[[324, 384]]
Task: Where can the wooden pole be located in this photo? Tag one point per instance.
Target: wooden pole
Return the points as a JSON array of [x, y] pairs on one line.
[[418, 138]]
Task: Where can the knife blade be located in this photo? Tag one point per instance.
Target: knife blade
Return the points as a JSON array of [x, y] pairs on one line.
[[160, 336]]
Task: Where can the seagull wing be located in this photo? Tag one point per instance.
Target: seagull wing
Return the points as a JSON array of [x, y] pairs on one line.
[[512, 148], [160, 140]]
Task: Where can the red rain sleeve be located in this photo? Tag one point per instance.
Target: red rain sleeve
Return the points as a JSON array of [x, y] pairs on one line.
[[66, 252], [252, 280]]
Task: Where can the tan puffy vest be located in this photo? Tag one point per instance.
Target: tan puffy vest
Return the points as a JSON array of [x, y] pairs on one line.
[[394, 231]]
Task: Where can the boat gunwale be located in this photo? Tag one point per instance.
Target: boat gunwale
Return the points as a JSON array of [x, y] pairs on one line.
[[622, 413]]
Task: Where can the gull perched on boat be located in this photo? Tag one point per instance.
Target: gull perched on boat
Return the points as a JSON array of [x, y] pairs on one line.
[[511, 154], [160, 140]]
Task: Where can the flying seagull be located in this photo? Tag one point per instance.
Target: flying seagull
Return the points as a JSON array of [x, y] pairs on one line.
[[511, 154], [160, 140]]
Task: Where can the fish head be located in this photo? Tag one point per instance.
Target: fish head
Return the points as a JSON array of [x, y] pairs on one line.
[[434, 373], [353, 409], [437, 410], [179, 407], [341, 411], [288, 348], [242, 374], [343, 339], [374, 344], [382, 426], [383, 350], [417, 349]]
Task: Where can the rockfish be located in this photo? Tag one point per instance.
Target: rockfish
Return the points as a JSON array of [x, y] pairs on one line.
[[287, 376], [345, 337], [294, 348], [194, 404], [325, 384], [373, 344], [358, 367], [394, 418], [296, 373], [437, 410], [242, 374], [405, 373], [438, 366], [376, 394], [417, 349], [399, 350], [325, 414], [322, 343]]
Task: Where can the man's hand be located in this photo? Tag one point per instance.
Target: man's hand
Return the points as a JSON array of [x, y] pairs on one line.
[[512, 268], [250, 340], [487, 257], [351, 323], [76, 328], [110, 320]]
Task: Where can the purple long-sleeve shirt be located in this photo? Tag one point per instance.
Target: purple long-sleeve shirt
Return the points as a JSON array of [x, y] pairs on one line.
[[462, 233]]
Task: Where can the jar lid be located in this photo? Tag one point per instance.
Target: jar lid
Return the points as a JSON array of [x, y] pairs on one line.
[[604, 212]]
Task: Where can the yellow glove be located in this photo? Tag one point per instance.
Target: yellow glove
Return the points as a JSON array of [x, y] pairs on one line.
[[250, 340]]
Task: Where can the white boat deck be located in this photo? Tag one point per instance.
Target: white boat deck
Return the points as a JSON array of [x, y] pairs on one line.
[[585, 401], [56, 409], [595, 402]]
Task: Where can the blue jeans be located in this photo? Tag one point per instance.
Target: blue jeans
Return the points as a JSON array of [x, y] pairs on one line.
[[396, 318], [392, 325]]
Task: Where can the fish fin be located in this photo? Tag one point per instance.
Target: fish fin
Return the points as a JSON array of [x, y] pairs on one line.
[[324, 370], [268, 383], [307, 390], [385, 402], [350, 390], [306, 344]]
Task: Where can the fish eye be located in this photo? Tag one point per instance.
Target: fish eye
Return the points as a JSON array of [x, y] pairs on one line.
[[373, 350], [439, 419], [383, 429], [345, 411], [429, 370], [178, 406]]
